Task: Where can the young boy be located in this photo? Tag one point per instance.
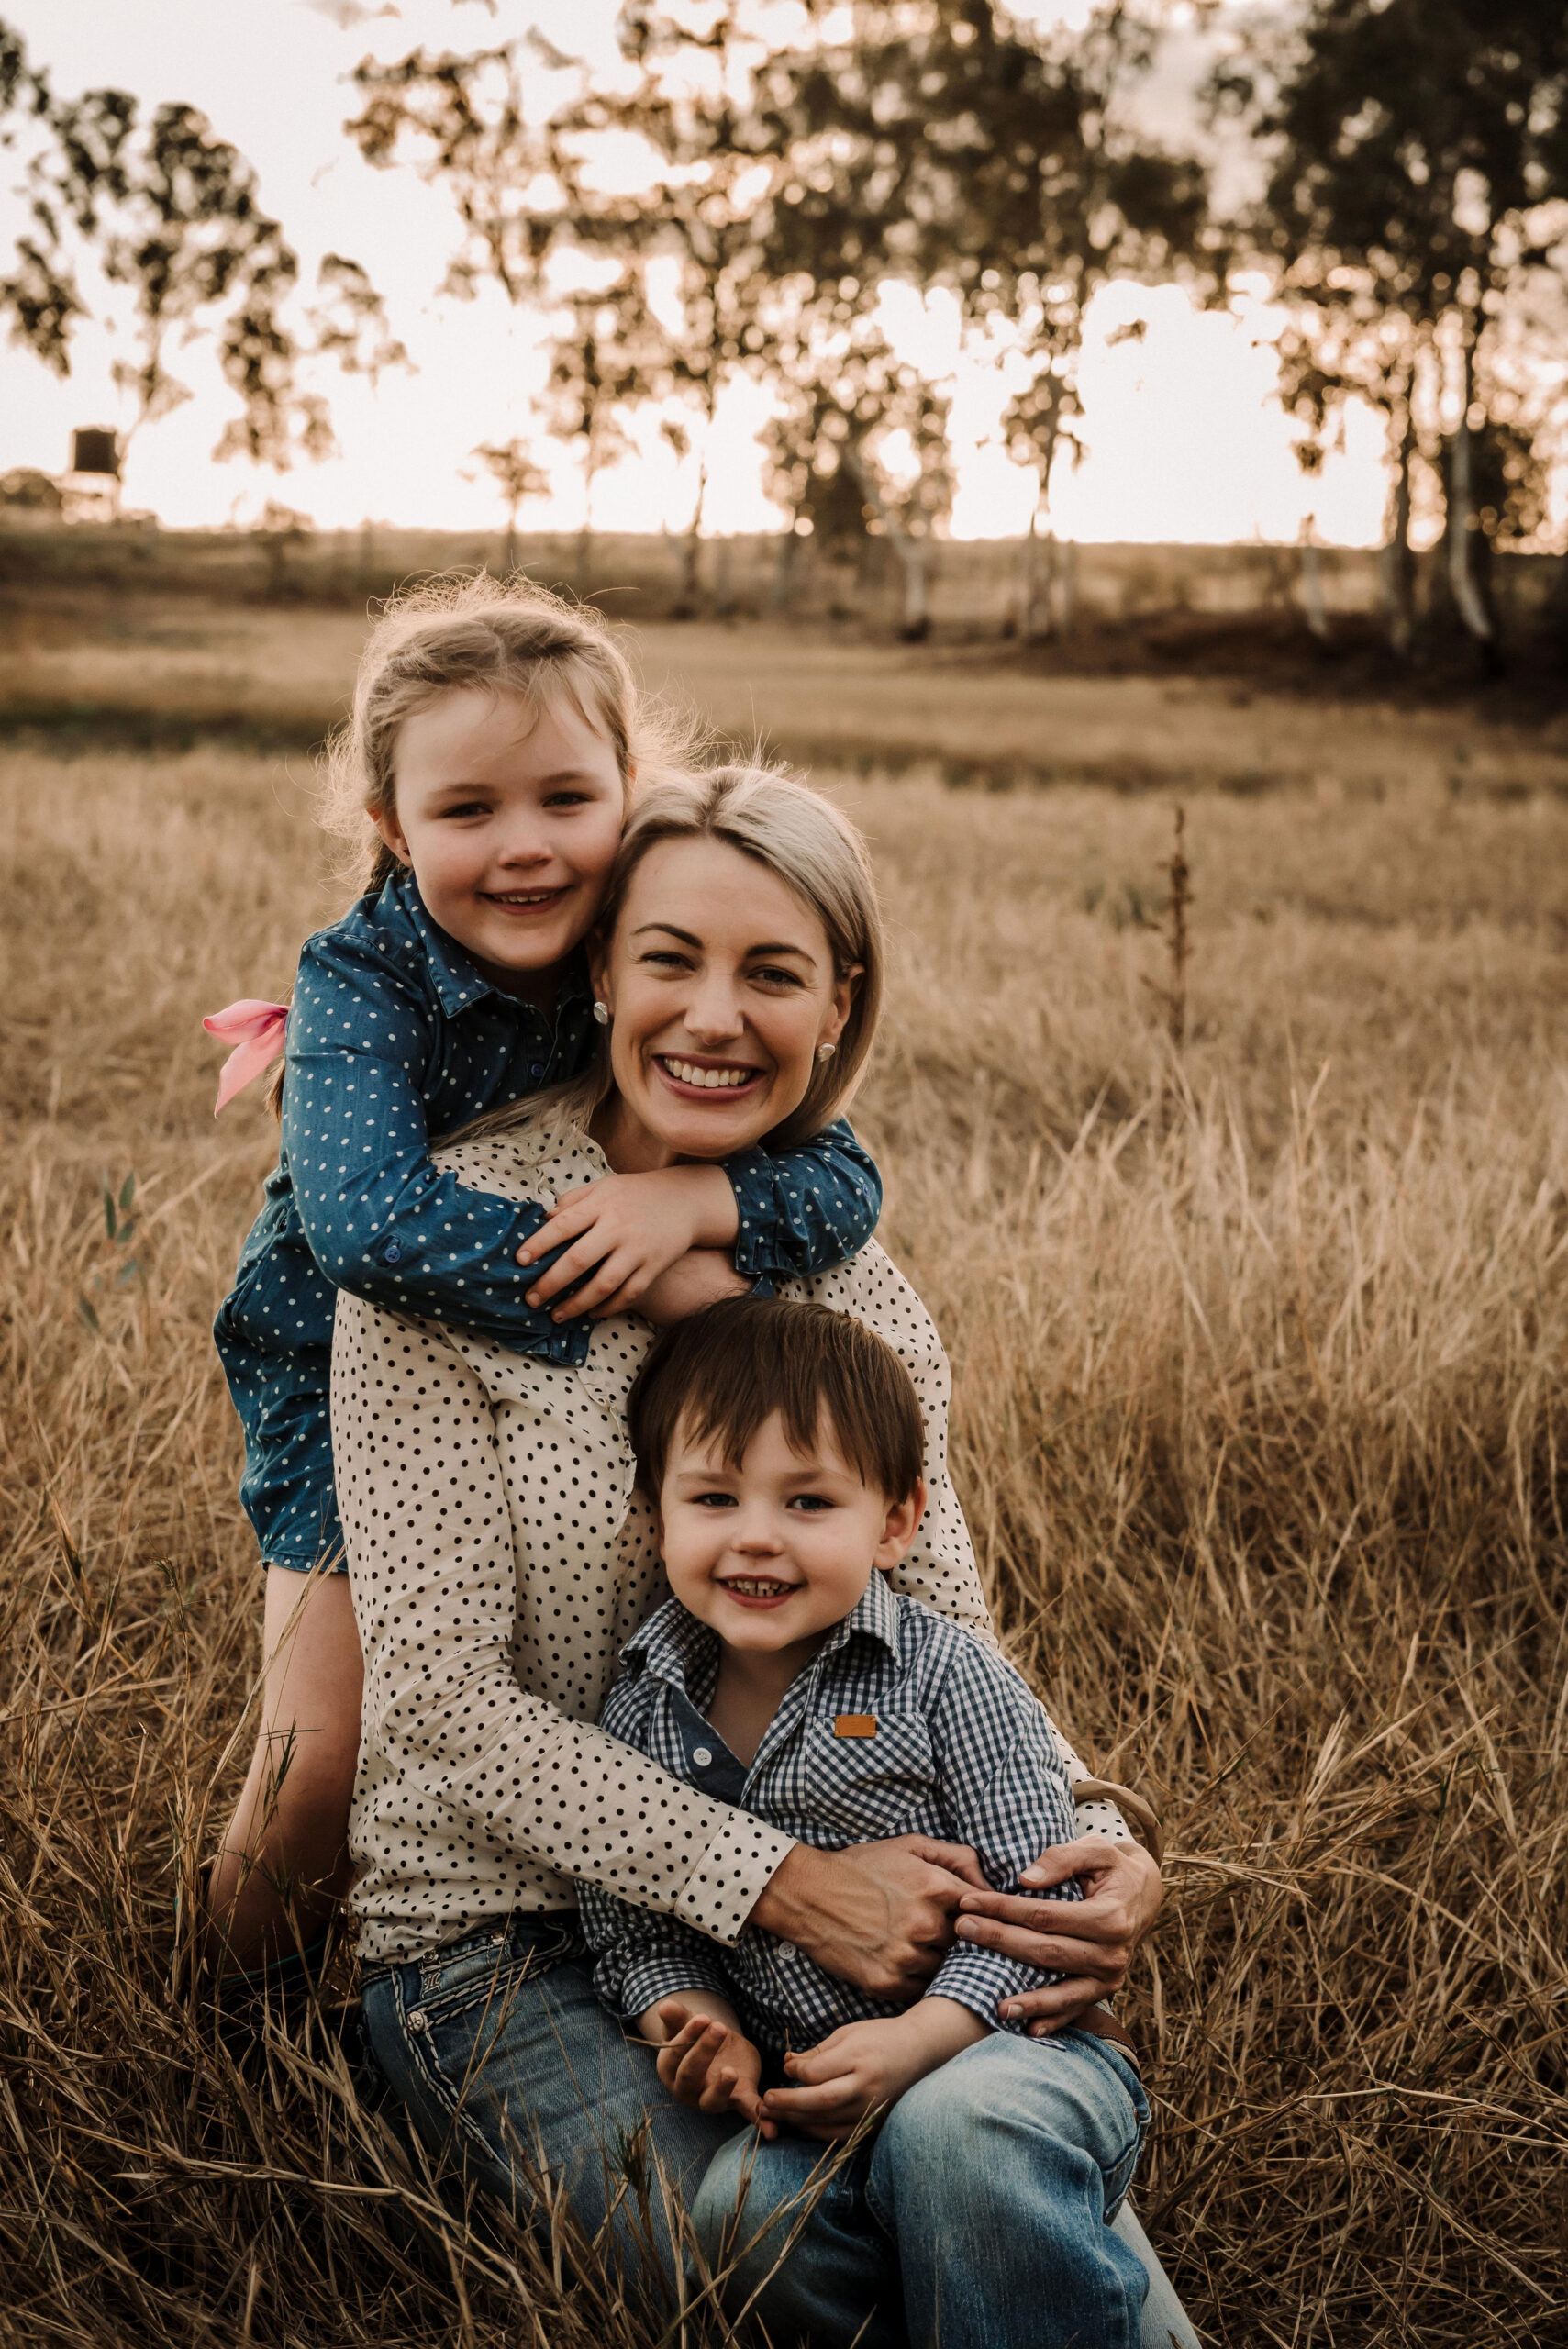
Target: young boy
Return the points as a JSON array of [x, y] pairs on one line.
[[782, 1446]]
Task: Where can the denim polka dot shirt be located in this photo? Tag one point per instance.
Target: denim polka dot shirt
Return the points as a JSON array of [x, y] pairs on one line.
[[395, 1038]]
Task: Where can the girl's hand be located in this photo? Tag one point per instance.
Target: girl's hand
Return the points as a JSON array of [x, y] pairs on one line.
[[1090, 1941], [708, 2064], [864, 2066], [632, 1227]]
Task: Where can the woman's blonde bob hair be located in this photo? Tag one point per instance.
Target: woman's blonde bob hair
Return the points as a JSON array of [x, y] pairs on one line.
[[792, 831]]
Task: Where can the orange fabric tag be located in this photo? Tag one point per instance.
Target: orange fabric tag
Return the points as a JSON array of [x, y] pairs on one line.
[[854, 1725]]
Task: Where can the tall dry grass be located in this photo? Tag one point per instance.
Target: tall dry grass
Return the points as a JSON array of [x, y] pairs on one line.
[[1260, 1362]]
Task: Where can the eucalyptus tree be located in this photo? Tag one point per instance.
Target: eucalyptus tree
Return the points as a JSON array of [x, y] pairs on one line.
[[171, 217], [1416, 209], [857, 447], [941, 141], [510, 465], [607, 356], [509, 134]]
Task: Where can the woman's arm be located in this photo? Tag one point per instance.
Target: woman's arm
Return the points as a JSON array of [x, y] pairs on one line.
[[448, 1728], [1090, 1943]]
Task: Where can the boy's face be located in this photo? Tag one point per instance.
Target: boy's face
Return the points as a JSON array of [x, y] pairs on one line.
[[774, 1552], [510, 819]]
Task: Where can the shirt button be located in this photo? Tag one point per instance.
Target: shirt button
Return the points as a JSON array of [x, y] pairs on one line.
[[393, 1254], [702, 1755], [536, 1070]]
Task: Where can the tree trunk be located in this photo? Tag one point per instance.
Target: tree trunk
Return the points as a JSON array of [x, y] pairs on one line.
[[1398, 565], [1469, 601], [911, 552], [690, 576], [1067, 584], [1040, 581], [510, 557], [1312, 602], [784, 573]]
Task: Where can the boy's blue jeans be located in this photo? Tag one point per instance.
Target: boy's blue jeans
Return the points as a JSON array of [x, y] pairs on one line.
[[997, 2173], [976, 2218]]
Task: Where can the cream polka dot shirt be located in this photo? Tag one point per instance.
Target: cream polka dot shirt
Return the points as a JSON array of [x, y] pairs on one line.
[[500, 1557]]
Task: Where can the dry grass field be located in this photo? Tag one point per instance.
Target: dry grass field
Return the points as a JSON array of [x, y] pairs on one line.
[[1260, 1352]]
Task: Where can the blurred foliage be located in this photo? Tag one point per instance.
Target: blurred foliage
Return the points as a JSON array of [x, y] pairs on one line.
[[169, 217]]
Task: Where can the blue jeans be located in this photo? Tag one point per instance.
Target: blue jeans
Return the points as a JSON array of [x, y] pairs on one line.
[[975, 2219], [508, 2066], [510, 2070]]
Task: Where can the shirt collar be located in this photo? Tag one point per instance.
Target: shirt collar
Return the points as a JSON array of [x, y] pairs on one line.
[[677, 1646], [457, 977], [674, 1643], [875, 1615]]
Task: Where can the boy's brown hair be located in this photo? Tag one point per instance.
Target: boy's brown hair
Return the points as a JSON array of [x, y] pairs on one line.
[[724, 1371]]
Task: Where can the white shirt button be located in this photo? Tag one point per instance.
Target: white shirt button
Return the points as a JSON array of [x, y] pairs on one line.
[[702, 1755]]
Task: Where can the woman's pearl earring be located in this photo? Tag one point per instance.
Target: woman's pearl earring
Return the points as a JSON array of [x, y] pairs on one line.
[[602, 1013], [826, 1051]]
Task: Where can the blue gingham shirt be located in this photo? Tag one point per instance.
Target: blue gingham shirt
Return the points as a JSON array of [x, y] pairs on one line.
[[961, 1748], [394, 1037]]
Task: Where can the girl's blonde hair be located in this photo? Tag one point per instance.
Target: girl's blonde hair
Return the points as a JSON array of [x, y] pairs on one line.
[[503, 636], [791, 831]]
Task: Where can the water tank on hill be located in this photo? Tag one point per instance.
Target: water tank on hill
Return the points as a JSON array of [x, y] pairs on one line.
[[93, 451]]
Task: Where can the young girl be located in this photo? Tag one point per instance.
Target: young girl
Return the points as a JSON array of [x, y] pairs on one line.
[[494, 745]]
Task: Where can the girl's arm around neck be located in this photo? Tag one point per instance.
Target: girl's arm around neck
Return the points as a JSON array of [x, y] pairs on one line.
[[381, 1219]]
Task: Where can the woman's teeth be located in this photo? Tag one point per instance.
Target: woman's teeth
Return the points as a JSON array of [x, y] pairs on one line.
[[757, 1586], [711, 1079]]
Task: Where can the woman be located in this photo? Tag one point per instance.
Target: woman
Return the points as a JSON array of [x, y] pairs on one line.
[[500, 1558]]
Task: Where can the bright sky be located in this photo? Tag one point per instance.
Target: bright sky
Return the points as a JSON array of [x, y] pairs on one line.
[[1185, 442]]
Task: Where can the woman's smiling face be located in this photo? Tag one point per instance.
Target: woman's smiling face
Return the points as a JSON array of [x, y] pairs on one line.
[[719, 979]]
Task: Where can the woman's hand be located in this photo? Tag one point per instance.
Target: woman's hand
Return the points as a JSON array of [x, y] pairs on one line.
[[878, 1915], [706, 2062], [1090, 1942], [632, 1227]]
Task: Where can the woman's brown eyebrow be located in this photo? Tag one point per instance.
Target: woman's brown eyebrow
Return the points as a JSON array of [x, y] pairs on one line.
[[687, 939]]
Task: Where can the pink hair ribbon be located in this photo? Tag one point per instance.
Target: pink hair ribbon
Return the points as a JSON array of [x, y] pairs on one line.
[[258, 1030]]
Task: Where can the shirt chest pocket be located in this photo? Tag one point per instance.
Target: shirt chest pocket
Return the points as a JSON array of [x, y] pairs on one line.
[[874, 1781]]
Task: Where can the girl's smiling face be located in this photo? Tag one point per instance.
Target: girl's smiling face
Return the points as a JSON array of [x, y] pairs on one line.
[[721, 987], [510, 816]]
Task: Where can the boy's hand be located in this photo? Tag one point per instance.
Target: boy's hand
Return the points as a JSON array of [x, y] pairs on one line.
[[707, 2062], [632, 1227], [864, 2066]]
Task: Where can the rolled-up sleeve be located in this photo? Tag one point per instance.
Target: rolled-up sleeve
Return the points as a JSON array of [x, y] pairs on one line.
[[459, 1762]]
